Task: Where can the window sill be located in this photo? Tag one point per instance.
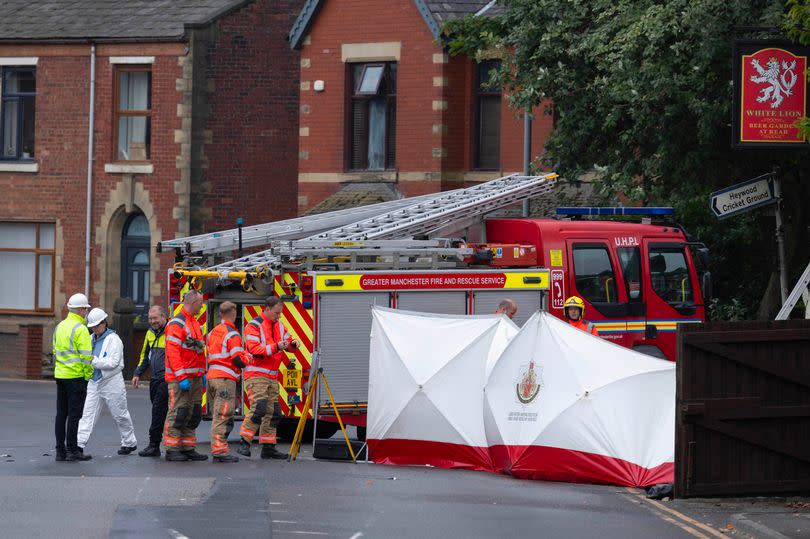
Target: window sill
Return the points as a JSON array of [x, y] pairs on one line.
[[18, 166], [121, 168]]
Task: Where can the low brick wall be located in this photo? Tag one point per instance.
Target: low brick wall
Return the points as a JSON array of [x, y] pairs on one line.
[[21, 352]]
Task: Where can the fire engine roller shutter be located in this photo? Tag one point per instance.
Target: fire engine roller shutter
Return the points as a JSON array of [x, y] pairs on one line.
[[343, 342], [528, 301], [434, 301]]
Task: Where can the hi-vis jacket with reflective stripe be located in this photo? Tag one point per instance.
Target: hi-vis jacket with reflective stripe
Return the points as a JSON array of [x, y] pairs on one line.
[[182, 360], [587, 327], [72, 349], [262, 338], [225, 344], [153, 354]]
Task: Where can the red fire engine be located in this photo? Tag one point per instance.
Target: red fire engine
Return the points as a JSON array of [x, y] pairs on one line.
[[638, 280]]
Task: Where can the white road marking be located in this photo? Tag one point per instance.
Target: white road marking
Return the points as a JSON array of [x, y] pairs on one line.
[[357, 535], [285, 522], [298, 532], [176, 534]]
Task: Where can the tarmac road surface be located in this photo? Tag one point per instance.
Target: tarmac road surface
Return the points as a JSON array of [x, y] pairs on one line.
[[132, 496]]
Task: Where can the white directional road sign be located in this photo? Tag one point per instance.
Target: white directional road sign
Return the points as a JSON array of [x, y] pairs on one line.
[[742, 197]]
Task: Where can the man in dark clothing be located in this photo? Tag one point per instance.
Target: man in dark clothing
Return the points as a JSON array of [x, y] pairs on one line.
[[153, 354]]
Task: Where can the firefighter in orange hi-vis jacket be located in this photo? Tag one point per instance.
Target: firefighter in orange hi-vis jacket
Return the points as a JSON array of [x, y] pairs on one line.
[[226, 359], [266, 341], [185, 376], [574, 309]]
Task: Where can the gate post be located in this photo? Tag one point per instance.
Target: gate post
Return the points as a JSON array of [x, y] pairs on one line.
[[123, 321]]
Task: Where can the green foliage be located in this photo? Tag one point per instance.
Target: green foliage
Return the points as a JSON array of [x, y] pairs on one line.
[[797, 27], [642, 93]]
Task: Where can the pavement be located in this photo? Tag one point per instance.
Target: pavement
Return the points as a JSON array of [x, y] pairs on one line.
[[131, 496]]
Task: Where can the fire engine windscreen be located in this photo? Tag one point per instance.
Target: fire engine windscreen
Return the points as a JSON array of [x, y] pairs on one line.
[[556, 404]]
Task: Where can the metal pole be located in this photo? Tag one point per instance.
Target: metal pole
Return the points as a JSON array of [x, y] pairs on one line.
[[780, 240], [89, 196], [239, 225], [527, 152]]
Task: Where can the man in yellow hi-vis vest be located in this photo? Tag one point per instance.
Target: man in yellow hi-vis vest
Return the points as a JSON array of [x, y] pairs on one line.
[[72, 354]]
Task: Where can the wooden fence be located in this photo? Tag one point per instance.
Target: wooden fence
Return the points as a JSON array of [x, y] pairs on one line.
[[743, 408]]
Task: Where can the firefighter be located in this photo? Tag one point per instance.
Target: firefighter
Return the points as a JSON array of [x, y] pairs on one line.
[[107, 384], [507, 307], [72, 355], [226, 359], [153, 355], [574, 309], [266, 341], [185, 376]]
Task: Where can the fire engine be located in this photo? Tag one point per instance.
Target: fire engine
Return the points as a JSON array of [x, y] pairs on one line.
[[440, 253]]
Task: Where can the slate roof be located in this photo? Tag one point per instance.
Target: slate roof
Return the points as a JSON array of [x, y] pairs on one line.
[[354, 195], [434, 12], [107, 20]]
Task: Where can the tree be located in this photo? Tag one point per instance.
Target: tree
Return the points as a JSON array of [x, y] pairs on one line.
[[797, 27], [642, 93]]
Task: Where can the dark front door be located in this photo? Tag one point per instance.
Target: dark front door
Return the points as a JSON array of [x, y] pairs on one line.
[[135, 263]]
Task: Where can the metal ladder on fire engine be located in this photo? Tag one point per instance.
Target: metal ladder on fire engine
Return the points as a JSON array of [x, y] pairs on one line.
[[288, 229], [393, 232], [793, 297]]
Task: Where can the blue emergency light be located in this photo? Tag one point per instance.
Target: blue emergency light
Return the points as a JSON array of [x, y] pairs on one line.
[[596, 210]]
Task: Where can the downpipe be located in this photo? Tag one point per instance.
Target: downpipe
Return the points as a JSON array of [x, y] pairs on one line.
[[89, 195]]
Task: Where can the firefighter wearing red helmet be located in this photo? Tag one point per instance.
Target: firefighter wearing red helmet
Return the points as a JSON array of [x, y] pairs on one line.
[[574, 309]]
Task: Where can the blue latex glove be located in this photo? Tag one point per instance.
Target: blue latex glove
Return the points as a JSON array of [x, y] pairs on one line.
[[204, 381], [184, 384], [96, 375]]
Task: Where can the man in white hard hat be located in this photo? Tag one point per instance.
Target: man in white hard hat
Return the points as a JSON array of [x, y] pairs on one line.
[[72, 369], [106, 384]]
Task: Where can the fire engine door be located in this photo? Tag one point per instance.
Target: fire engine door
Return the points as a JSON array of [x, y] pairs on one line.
[[670, 290], [593, 275]]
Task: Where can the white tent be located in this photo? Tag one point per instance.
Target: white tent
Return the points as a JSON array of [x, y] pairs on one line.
[[564, 405], [556, 404], [426, 380]]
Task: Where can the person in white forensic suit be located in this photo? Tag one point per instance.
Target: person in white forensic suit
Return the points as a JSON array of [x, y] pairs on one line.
[[106, 384]]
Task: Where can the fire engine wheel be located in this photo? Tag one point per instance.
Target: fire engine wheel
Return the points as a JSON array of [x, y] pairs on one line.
[[361, 434], [286, 430]]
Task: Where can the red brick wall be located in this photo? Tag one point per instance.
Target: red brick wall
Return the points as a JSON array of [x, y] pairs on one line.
[[373, 21], [253, 78], [23, 357]]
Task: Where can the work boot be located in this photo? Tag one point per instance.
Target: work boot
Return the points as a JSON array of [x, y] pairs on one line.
[[126, 450], [193, 455], [176, 456], [73, 456], [61, 455], [244, 448], [151, 450], [226, 458], [269, 451]]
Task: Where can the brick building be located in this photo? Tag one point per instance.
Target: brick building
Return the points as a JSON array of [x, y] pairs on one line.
[[176, 116], [383, 103]]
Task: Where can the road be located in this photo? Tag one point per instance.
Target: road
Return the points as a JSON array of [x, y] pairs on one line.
[[132, 496]]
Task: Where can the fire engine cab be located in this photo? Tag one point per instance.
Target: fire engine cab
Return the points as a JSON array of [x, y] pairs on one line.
[[638, 280]]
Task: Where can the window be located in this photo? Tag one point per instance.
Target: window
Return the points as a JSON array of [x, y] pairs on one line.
[[135, 263], [669, 275], [594, 274], [488, 117], [630, 260], [26, 264], [133, 113], [17, 111], [373, 116]]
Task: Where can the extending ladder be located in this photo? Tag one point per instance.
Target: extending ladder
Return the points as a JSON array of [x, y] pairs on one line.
[[288, 229], [793, 297], [447, 211]]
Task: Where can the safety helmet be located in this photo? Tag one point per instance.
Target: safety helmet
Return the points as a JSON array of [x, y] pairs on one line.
[[77, 301], [574, 301], [95, 317]]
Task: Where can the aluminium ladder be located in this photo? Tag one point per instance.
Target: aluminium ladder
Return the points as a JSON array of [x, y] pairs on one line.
[[798, 290], [445, 212], [288, 229]]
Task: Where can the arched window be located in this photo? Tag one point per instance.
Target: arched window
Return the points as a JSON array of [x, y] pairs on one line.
[[135, 247]]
